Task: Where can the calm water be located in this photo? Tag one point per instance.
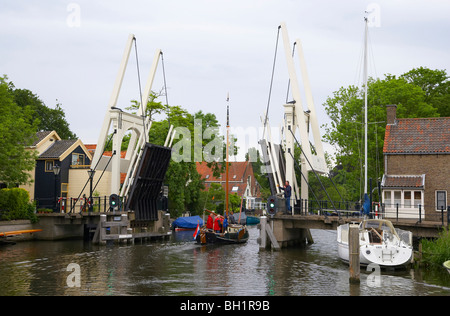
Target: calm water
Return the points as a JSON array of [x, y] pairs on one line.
[[180, 267]]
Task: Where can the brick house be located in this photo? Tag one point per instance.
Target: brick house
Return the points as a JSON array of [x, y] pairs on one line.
[[241, 180], [416, 166]]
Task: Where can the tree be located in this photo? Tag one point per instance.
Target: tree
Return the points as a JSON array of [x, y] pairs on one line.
[[412, 95], [182, 178], [435, 84], [47, 119], [17, 130]]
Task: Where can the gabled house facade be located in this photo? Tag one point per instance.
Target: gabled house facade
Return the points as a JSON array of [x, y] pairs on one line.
[[73, 159], [417, 166], [241, 181], [44, 140], [67, 155]]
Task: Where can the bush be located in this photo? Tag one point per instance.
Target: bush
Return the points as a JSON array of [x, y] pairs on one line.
[[15, 204], [437, 251]]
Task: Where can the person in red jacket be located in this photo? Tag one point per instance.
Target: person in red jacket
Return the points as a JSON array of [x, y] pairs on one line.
[[210, 221], [218, 224]]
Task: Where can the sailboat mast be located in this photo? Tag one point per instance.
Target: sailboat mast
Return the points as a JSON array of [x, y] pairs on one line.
[[365, 105], [227, 154]]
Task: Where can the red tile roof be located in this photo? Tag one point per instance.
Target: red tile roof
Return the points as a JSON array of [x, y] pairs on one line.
[[236, 171], [403, 181], [237, 177], [418, 136]]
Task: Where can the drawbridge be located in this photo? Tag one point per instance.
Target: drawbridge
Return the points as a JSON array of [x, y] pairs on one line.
[[144, 164]]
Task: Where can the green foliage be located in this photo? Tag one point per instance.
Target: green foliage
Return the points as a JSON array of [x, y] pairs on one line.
[[182, 178], [420, 92], [437, 251], [15, 204], [23, 114], [48, 119], [213, 198], [17, 130]]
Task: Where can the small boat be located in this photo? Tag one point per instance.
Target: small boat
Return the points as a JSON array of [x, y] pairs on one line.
[[5, 235], [229, 233], [447, 265], [379, 242], [234, 234], [252, 220], [19, 232], [187, 223]]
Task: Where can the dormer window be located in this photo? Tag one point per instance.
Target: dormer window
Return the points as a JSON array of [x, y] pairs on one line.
[[77, 159]]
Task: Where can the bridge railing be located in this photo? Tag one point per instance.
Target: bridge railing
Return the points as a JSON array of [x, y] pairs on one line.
[[395, 211], [74, 205]]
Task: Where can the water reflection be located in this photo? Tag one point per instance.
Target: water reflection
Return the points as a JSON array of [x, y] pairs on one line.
[[181, 267]]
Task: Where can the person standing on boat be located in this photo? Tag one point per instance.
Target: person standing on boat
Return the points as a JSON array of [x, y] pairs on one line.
[[287, 195], [217, 224], [210, 222], [231, 219]]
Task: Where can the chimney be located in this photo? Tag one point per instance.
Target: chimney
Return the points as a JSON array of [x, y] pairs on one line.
[[391, 111]]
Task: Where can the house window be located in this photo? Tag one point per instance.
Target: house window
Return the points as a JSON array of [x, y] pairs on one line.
[[441, 200], [234, 189], [77, 159], [64, 189], [398, 198], [387, 198], [402, 203], [417, 198], [49, 165], [407, 199]]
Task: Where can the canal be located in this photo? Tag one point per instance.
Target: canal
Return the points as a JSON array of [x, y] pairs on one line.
[[180, 267]]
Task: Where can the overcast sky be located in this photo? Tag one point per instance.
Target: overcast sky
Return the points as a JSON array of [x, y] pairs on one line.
[[70, 51]]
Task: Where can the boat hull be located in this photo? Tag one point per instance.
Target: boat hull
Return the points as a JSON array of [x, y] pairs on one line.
[[383, 247], [233, 236], [382, 255], [252, 220]]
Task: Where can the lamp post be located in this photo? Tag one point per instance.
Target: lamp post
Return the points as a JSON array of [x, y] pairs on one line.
[[91, 173], [56, 170]]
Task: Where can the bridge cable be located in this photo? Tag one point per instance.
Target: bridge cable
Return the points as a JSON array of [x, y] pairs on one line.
[[144, 106], [165, 89], [82, 190], [321, 184], [329, 176], [307, 182], [271, 80]]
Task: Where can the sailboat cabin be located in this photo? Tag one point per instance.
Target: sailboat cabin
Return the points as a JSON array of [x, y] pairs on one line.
[[416, 160]]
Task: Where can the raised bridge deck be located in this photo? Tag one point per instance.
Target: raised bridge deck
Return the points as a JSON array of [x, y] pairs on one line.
[[420, 229]]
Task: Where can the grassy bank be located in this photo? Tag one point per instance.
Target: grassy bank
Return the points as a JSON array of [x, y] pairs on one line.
[[436, 251]]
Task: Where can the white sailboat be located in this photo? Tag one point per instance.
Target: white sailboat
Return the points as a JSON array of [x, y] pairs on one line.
[[379, 241]]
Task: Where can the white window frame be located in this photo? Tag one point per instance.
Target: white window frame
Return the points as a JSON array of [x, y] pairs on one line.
[[412, 211], [436, 200]]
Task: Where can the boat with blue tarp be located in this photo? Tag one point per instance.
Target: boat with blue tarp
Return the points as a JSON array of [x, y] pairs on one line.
[[187, 223]]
